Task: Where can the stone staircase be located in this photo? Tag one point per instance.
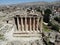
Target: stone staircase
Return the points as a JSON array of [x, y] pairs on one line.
[[26, 34]]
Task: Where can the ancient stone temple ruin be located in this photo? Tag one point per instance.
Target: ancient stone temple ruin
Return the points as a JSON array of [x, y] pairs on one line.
[[30, 25], [28, 29]]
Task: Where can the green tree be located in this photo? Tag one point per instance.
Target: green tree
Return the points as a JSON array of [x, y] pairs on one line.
[[48, 11], [47, 15]]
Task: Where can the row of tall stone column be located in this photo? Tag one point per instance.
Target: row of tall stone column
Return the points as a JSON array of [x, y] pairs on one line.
[[32, 27]]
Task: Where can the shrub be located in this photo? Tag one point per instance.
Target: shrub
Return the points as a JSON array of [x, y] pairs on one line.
[[55, 27], [49, 24], [57, 19]]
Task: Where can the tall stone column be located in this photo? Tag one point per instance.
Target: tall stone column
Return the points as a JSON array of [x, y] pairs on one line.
[[22, 24], [34, 24], [41, 24], [30, 24], [14, 23], [26, 23], [37, 24], [18, 23]]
